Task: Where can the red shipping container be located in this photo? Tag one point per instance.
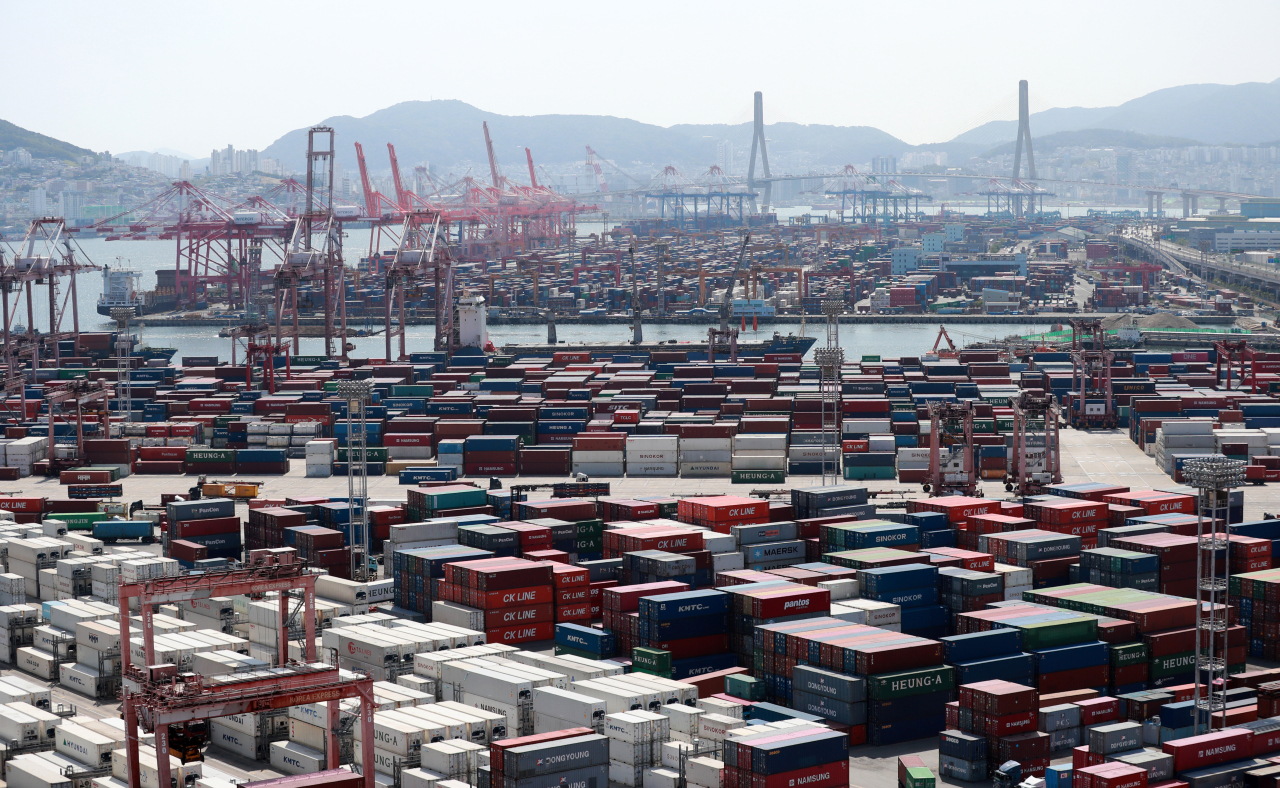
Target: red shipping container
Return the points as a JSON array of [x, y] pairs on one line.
[[1196, 752], [84, 477], [792, 602], [528, 633], [162, 453], [213, 525], [24, 505], [187, 551], [575, 612], [566, 577], [687, 648], [827, 775], [533, 595], [571, 596], [515, 616], [1098, 710]]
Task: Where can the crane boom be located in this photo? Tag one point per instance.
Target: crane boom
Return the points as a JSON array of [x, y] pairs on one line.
[[370, 198], [533, 177], [733, 282], [402, 197], [493, 160]]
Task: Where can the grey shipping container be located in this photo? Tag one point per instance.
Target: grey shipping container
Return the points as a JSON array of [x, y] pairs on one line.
[[563, 755], [757, 534], [588, 777], [1118, 737], [1060, 717], [1159, 765], [828, 684], [968, 771], [1221, 775]]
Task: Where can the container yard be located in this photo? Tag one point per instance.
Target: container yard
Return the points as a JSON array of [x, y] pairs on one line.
[[734, 562]]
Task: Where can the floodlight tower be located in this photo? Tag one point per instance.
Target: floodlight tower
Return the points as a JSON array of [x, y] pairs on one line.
[[124, 362], [1214, 476], [830, 359], [356, 394]]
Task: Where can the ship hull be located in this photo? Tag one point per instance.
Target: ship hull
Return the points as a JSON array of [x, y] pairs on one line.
[[776, 345], [141, 309]]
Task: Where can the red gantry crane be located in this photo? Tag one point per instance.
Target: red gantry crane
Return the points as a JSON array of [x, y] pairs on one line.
[[159, 695]]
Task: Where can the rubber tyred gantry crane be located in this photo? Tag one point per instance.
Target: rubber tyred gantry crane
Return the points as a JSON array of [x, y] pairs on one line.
[[157, 696]]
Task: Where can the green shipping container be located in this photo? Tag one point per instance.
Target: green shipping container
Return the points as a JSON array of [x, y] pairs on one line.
[[79, 521], [1173, 664], [307, 361], [590, 527], [211, 455], [1128, 654], [574, 652], [745, 687], [870, 359], [455, 499], [1048, 634], [651, 660], [757, 477], [870, 472], [888, 686], [591, 544], [920, 777]]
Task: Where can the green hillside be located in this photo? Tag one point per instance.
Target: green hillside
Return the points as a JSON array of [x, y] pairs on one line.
[[38, 145]]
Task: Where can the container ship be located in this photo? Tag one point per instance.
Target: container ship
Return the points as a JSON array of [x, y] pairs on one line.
[[120, 288], [778, 344]]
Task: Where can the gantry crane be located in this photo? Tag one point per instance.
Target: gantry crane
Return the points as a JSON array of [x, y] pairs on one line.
[[951, 434], [725, 336], [1034, 467], [78, 393], [1237, 354], [1091, 404], [156, 696]]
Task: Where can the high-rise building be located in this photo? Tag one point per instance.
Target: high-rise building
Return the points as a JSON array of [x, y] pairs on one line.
[[883, 165], [724, 156], [37, 201], [185, 173], [215, 163]]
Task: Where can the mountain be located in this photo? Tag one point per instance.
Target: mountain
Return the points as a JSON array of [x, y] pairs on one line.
[[38, 145], [1248, 113], [1094, 138], [448, 132]]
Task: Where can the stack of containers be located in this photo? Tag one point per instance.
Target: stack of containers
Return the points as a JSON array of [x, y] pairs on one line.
[[995, 723], [572, 760], [1048, 555], [515, 595], [963, 590], [756, 604], [791, 755], [692, 627], [722, 512], [572, 593], [635, 745], [706, 451], [652, 455], [1177, 556], [984, 656], [759, 458], [621, 605], [599, 453], [491, 455], [208, 523], [319, 458], [831, 695], [267, 525], [450, 454], [810, 502], [914, 589], [1109, 566]]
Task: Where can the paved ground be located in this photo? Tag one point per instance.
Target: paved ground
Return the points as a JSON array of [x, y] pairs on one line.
[[1100, 456]]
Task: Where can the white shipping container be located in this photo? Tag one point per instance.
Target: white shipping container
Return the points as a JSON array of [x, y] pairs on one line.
[[293, 758], [239, 742], [576, 707], [25, 772], [312, 736], [84, 745], [649, 468], [37, 662]]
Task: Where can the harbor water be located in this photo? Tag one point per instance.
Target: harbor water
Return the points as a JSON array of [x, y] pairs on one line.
[[150, 256]]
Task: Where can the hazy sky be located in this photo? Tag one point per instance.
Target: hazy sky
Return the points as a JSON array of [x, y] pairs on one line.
[[135, 75]]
